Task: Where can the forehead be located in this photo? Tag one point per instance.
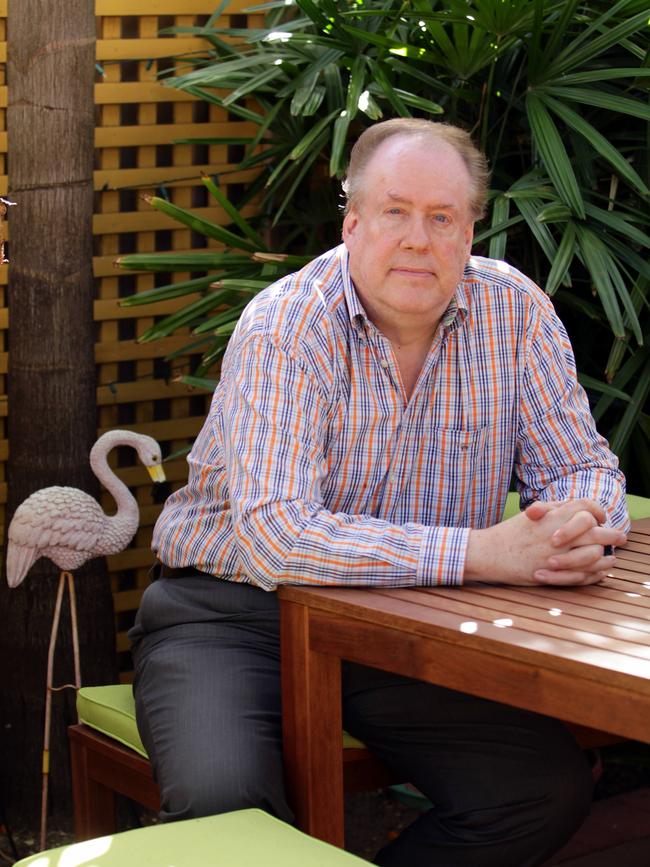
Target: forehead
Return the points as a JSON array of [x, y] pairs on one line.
[[422, 170]]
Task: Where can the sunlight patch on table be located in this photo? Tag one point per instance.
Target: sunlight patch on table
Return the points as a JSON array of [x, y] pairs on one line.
[[469, 626], [502, 622]]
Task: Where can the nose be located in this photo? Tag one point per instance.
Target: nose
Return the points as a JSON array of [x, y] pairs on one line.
[[416, 236]]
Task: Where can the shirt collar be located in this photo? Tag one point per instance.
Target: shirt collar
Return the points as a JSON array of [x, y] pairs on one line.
[[452, 318]]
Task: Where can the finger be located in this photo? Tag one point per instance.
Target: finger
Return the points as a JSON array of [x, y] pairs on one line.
[[579, 523], [593, 507], [565, 579], [586, 558], [538, 509], [602, 536]]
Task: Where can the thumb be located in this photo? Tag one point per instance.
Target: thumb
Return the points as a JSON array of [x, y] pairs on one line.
[[538, 509]]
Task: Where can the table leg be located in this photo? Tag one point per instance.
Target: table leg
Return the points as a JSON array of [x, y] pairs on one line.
[[312, 729]]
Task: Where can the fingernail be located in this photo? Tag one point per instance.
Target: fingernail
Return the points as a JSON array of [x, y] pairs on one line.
[[540, 574]]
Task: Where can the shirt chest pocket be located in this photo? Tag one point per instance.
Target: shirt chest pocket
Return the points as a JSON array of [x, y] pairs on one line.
[[454, 462]]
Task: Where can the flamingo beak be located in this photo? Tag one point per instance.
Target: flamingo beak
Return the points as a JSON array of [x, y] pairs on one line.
[[156, 472]]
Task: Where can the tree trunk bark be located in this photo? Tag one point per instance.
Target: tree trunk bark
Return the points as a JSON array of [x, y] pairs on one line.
[[51, 381]]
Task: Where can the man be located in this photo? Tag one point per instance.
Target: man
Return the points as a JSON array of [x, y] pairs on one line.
[[371, 412]]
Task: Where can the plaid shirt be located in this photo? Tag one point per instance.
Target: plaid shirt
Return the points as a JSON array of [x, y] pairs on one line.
[[314, 468]]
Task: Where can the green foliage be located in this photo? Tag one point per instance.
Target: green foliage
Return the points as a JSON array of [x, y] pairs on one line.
[[554, 91]]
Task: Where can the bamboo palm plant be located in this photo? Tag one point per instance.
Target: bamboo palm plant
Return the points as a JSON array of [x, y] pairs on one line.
[[554, 91]]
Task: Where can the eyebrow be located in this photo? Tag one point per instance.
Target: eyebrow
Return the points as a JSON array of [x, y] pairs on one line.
[[396, 197]]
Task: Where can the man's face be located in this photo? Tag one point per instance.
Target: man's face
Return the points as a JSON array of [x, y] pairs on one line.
[[410, 233]]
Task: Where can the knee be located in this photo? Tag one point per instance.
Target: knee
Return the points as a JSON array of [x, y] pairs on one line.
[[210, 791]]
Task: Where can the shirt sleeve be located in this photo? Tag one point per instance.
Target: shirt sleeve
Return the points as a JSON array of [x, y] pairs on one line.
[[274, 427], [560, 455]]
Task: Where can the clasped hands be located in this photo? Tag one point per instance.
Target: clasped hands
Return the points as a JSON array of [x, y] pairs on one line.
[[562, 543]]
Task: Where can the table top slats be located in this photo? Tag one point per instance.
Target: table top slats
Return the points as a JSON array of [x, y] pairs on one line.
[[566, 627], [406, 613], [639, 544], [629, 556], [640, 527], [605, 611], [621, 572]]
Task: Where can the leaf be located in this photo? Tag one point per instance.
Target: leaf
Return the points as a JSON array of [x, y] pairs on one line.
[[555, 212], [164, 293], [598, 142], [308, 140], [572, 55], [193, 261], [186, 316], [196, 382], [560, 265], [303, 94], [619, 224], [232, 212], [500, 214], [252, 84], [339, 137], [226, 317], [198, 224], [604, 387], [630, 417], [388, 90], [495, 230], [554, 155], [604, 74], [591, 249], [601, 99], [529, 209], [355, 87]]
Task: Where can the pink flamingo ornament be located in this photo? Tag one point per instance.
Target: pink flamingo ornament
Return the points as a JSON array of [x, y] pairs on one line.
[[69, 527]]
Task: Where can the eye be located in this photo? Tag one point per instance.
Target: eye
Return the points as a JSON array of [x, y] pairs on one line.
[[394, 211], [443, 219]]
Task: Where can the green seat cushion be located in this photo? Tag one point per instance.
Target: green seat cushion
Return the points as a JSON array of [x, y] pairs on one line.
[[246, 838], [111, 710]]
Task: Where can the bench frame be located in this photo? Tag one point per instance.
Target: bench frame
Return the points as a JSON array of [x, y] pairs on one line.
[[103, 768]]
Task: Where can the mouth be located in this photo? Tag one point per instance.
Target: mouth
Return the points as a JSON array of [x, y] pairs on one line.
[[412, 272]]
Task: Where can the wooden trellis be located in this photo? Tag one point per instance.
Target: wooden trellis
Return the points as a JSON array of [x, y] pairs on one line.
[[137, 121]]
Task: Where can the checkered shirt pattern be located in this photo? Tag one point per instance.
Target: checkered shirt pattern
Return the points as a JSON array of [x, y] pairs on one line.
[[314, 468]]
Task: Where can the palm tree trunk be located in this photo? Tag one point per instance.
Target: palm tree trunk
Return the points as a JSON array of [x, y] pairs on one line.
[[52, 414]]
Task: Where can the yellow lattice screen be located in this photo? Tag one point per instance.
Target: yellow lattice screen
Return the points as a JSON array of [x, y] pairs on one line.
[[137, 120]]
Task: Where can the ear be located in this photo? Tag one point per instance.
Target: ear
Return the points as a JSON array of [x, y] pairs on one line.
[[469, 239], [350, 223]]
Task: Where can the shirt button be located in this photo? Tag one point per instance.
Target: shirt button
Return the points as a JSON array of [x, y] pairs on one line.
[[384, 363], [393, 480]]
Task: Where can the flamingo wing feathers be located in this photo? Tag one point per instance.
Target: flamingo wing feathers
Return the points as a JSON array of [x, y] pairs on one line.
[[65, 524]]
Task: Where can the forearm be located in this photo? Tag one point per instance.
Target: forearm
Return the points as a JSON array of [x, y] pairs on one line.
[[301, 543]]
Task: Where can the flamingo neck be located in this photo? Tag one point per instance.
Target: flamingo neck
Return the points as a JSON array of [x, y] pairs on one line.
[[128, 513]]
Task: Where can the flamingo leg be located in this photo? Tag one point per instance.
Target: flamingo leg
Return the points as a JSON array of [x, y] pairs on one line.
[[48, 707], [64, 578], [75, 632]]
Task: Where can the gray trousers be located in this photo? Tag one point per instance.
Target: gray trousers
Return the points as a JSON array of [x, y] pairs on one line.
[[508, 787]]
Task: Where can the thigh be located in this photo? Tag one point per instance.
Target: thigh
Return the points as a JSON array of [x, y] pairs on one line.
[[208, 698], [495, 774], [447, 740]]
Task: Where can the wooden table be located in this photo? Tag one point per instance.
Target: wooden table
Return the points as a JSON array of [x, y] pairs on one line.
[[579, 654]]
